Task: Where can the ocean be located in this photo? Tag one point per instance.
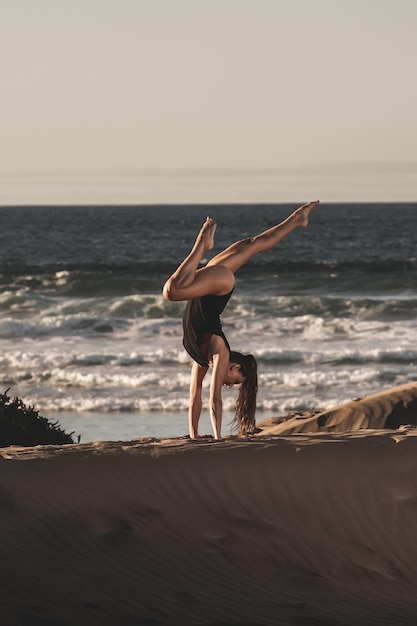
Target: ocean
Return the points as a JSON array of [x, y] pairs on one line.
[[86, 337]]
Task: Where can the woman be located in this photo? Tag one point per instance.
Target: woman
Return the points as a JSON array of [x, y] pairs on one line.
[[208, 290]]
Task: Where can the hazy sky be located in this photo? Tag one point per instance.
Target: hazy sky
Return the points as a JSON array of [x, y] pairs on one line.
[[315, 97]]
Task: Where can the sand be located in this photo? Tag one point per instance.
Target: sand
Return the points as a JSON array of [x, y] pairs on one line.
[[301, 529], [387, 409]]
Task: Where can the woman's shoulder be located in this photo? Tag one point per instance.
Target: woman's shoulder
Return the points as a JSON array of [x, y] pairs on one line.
[[218, 346]]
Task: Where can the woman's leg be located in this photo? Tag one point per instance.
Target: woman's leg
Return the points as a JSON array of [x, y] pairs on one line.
[[238, 253], [217, 277], [188, 281]]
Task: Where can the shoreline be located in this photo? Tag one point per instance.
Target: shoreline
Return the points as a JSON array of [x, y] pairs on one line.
[[386, 409]]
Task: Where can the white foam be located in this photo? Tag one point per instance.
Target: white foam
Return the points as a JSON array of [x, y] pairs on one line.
[[54, 356]]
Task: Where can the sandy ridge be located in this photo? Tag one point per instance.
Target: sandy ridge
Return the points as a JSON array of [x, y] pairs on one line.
[[292, 530], [388, 409]]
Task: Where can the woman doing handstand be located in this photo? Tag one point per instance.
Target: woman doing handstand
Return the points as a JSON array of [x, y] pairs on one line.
[[208, 290]]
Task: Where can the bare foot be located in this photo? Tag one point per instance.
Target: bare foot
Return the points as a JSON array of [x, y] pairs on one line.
[[206, 234], [304, 211]]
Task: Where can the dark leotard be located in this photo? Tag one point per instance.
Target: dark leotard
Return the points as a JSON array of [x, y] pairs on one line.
[[201, 320]]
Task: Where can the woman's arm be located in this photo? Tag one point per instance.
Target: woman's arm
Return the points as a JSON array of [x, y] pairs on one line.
[[220, 360], [197, 375]]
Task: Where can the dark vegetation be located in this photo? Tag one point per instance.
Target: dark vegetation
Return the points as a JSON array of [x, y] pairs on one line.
[[21, 425]]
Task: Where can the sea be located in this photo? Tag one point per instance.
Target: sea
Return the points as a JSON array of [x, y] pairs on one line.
[[86, 337]]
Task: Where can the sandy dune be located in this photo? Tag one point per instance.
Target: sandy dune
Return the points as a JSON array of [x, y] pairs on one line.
[[388, 409], [299, 530]]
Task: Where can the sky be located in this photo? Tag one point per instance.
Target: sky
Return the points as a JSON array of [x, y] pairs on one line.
[[149, 101]]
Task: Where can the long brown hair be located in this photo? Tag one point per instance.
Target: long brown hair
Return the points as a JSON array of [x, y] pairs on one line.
[[246, 401]]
